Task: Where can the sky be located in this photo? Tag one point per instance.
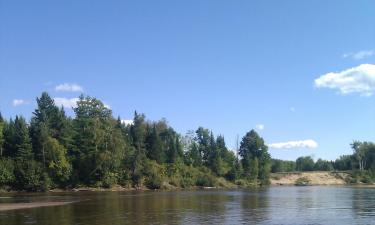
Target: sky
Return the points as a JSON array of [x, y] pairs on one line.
[[302, 73]]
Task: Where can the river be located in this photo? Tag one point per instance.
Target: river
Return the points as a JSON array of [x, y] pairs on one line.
[[272, 205]]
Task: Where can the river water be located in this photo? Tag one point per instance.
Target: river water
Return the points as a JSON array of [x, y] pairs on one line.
[[272, 205]]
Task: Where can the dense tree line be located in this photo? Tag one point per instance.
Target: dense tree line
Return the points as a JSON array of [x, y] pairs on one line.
[[53, 150], [305, 164], [361, 162]]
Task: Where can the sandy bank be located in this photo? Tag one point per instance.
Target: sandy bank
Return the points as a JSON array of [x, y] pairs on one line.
[[314, 178]]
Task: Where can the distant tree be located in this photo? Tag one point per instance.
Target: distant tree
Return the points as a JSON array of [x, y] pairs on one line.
[[364, 155], [174, 151], [343, 162], [278, 165], [138, 131], [254, 169], [58, 165], [323, 165], [99, 147], [49, 122], [193, 155], [359, 154], [203, 140], [6, 172], [9, 148], [253, 151], [22, 142], [305, 164], [2, 128], [154, 146]]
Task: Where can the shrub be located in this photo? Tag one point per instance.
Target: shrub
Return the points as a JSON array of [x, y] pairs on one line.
[[206, 180], [109, 179], [154, 174], [302, 181], [154, 182], [6, 172], [29, 176]]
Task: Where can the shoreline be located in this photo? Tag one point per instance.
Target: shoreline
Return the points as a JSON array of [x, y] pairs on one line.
[[313, 178], [30, 205]]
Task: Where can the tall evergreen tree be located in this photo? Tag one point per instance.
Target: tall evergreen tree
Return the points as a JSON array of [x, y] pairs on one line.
[[2, 128], [22, 141], [48, 121], [138, 131], [154, 146]]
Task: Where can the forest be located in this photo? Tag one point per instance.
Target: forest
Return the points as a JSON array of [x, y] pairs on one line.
[[95, 149]]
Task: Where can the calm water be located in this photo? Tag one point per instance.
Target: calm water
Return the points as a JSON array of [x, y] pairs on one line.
[[274, 205]]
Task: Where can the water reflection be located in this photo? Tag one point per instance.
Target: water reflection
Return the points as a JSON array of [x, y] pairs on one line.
[[275, 205], [363, 200]]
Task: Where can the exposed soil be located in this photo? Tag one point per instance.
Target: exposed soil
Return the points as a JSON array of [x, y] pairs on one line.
[[314, 178]]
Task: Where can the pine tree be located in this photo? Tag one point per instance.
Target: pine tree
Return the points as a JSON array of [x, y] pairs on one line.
[[2, 128], [22, 141], [154, 146], [48, 121]]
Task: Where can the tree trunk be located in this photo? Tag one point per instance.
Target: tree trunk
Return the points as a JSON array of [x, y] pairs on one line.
[[44, 158]]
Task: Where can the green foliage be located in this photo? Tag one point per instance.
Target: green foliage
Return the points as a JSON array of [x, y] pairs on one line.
[[256, 161], [253, 169], [99, 145], [154, 174], [30, 176], [58, 165], [323, 165], [302, 181], [2, 128], [18, 141], [193, 156], [278, 166], [343, 163], [203, 140], [155, 146], [94, 149], [206, 180], [7, 177], [305, 164]]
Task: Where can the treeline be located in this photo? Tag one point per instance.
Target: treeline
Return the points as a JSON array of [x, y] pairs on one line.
[[95, 149], [361, 163], [302, 164]]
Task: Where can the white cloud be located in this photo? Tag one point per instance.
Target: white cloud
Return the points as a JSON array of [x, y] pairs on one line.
[[66, 102], [127, 122], [260, 126], [359, 55], [19, 102], [69, 87], [360, 79], [294, 144], [292, 109]]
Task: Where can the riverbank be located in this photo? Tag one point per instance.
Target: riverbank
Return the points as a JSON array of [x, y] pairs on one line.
[[311, 178], [276, 179]]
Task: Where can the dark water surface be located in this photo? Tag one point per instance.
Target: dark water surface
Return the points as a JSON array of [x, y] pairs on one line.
[[273, 205]]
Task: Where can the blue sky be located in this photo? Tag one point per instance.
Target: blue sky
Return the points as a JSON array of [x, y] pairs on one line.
[[300, 70]]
